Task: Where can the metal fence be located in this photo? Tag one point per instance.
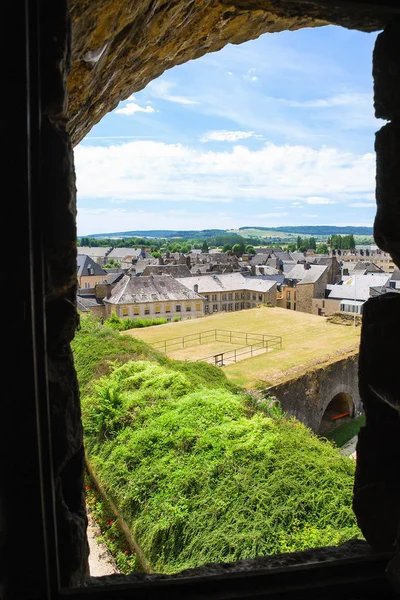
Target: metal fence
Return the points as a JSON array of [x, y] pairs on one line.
[[253, 344]]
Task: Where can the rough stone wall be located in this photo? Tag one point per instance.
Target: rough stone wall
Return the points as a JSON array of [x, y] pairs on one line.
[[307, 397], [270, 296], [304, 296], [377, 484], [328, 306], [59, 214], [119, 46]]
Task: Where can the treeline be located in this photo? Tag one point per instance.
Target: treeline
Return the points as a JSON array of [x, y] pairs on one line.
[[177, 244], [342, 242]]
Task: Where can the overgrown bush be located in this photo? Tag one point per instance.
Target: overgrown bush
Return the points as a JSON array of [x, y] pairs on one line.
[[201, 472], [124, 324]]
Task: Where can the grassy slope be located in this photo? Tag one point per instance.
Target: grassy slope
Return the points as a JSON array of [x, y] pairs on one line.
[[307, 339], [200, 471]]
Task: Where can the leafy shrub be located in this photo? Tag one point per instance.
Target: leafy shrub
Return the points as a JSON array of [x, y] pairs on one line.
[[176, 319], [201, 472], [124, 324]]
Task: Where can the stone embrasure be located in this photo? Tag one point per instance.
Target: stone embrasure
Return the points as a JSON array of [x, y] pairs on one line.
[[119, 46]]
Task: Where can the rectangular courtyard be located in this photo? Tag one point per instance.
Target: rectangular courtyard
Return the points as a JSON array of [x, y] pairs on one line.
[[307, 340]]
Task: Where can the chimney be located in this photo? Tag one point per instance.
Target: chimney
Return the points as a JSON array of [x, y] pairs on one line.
[[102, 290], [196, 288], [252, 270], [307, 265]]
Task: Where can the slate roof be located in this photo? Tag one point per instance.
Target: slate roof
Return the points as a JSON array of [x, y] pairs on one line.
[[395, 275], [121, 253], [208, 284], [297, 256], [259, 259], [142, 263], [357, 287], [134, 290], [115, 277], [174, 270], [84, 263], [302, 275], [88, 301], [96, 252]]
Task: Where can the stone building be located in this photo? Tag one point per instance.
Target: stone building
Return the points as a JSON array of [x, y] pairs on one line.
[[152, 297], [228, 292], [89, 273], [303, 283], [67, 66]]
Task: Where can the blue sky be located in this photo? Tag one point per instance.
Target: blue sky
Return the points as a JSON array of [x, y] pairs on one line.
[[276, 131]]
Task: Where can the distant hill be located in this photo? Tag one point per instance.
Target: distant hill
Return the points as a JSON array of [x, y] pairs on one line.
[[315, 229], [279, 233], [160, 233]]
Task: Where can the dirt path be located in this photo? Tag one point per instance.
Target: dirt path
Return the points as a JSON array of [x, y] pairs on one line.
[[100, 559]]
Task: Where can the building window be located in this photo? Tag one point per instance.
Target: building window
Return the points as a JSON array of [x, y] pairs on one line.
[[230, 296], [157, 309], [223, 297], [288, 305], [242, 295], [241, 305], [236, 295], [224, 307], [248, 295], [254, 297], [188, 308], [294, 306], [248, 304], [87, 285], [287, 295], [214, 297], [178, 308], [135, 310], [215, 307], [260, 297], [147, 310], [207, 297], [237, 305], [198, 306], [207, 309], [125, 311], [230, 306], [168, 308]]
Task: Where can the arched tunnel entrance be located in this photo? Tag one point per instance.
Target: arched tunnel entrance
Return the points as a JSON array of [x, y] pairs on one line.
[[339, 410]]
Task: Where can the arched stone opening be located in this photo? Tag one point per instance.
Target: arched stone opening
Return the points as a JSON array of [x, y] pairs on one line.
[[46, 217], [339, 410]]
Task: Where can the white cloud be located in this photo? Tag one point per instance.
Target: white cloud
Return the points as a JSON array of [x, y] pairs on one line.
[[149, 170], [343, 99], [132, 107], [228, 136], [362, 205], [319, 200], [161, 89]]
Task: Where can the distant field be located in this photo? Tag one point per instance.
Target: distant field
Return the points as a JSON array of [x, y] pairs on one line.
[[261, 233], [307, 340]]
